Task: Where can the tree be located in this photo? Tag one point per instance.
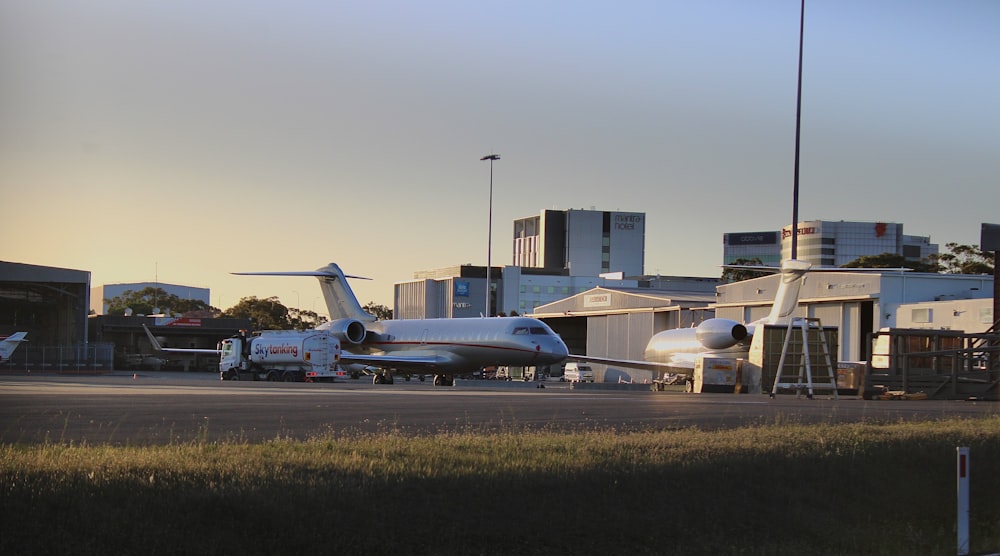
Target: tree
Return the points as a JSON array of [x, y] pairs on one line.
[[144, 301], [960, 259], [892, 260], [302, 319], [964, 259], [264, 314], [730, 275], [381, 312]]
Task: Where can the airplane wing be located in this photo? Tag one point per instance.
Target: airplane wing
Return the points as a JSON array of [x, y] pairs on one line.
[[415, 360], [157, 347], [676, 363]]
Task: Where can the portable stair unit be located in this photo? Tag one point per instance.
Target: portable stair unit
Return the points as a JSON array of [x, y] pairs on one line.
[[800, 366]]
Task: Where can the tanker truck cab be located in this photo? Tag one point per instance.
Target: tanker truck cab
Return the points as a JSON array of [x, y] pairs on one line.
[[231, 357]]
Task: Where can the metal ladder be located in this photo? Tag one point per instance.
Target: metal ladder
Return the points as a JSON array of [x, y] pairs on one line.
[[804, 371]]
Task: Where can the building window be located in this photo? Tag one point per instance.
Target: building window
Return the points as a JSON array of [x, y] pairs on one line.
[[921, 315]]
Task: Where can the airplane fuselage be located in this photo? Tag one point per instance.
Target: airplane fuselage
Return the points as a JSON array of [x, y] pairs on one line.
[[464, 345]]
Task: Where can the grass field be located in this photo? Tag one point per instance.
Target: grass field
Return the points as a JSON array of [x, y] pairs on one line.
[[776, 489]]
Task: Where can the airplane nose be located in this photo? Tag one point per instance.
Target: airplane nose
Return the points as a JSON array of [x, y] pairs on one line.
[[559, 351]]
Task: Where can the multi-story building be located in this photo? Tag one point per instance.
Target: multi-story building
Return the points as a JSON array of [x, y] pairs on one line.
[[582, 242], [763, 246], [827, 243], [557, 254]]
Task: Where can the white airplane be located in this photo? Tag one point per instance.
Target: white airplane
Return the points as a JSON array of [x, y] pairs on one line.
[[676, 350], [443, 347], [9, 344]]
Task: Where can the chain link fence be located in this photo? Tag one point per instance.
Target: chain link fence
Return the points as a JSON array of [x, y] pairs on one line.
[[98, 356]]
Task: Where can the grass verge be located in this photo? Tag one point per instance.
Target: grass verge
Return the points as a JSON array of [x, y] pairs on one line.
[[774, 489]]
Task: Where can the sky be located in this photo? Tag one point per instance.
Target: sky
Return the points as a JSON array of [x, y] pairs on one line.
[[181, 141]]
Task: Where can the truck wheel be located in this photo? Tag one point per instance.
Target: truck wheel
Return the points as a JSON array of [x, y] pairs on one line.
[[289, 376], [272, 376]]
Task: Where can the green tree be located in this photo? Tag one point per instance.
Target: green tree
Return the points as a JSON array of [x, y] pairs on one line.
[[264, 314], [302, 319], [144, 301], [381, 312], [893, 260], [964, 259], [730, 275]]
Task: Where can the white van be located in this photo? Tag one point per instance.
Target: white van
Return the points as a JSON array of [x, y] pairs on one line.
[[578, 372]]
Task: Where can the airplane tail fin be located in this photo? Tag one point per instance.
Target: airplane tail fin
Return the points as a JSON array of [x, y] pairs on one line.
[[340, 299], [8, 344], [787, 297]]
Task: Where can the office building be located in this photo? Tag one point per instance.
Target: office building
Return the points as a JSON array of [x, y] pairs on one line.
[[827, 243], [582, 242]]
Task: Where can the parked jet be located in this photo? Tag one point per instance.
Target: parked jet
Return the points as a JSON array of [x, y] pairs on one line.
[[9, 344], [676, 350], [443, 347]]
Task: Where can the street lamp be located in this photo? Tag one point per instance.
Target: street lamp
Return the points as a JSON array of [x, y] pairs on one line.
[[489, 244]]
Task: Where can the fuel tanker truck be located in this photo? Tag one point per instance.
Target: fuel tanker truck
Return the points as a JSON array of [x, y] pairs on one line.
[[281, 355]]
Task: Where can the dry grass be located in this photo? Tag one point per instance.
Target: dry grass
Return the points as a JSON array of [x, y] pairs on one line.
[[774, 489]]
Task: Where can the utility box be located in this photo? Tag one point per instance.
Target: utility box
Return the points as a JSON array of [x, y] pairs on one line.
[[715, 374], [849, 376]]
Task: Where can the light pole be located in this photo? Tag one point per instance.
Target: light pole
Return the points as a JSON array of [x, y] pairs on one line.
[[489, 243]]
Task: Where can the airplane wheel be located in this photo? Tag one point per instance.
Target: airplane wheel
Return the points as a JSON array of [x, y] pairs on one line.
[[377, 379]]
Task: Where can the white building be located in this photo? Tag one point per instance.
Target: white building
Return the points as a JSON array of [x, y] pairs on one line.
[[827, 243]]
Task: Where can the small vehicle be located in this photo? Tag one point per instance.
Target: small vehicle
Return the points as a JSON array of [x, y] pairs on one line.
[[578, 372]]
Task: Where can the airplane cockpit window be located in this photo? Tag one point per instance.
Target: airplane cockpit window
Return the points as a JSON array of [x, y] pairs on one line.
[[533, 330]]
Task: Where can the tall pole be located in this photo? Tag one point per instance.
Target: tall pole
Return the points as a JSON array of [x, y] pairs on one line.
[[798, 120], [489, 243]]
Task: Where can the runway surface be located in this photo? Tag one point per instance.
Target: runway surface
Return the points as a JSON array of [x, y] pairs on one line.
[[160, 408]]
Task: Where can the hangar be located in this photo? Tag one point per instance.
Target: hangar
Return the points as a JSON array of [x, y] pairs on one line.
[[52, 304], [618, 324], [49, 303]]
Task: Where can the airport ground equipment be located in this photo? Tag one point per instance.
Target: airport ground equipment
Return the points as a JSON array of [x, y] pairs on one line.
[[281, 355], [943, 364], [802, 356], [714, 374]]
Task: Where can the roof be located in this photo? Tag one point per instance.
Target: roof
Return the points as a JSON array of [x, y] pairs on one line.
[[603, 300]]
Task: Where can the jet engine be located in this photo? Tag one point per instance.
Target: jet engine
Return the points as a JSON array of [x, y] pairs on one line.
[[347, 330], [720, 333]]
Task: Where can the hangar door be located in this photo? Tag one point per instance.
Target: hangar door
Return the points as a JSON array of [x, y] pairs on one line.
[[622, 336]]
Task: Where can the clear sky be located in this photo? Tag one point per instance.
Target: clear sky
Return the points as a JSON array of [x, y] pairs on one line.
[[181, 141]]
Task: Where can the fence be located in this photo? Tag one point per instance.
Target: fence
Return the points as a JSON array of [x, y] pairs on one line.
[[97, 356]]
